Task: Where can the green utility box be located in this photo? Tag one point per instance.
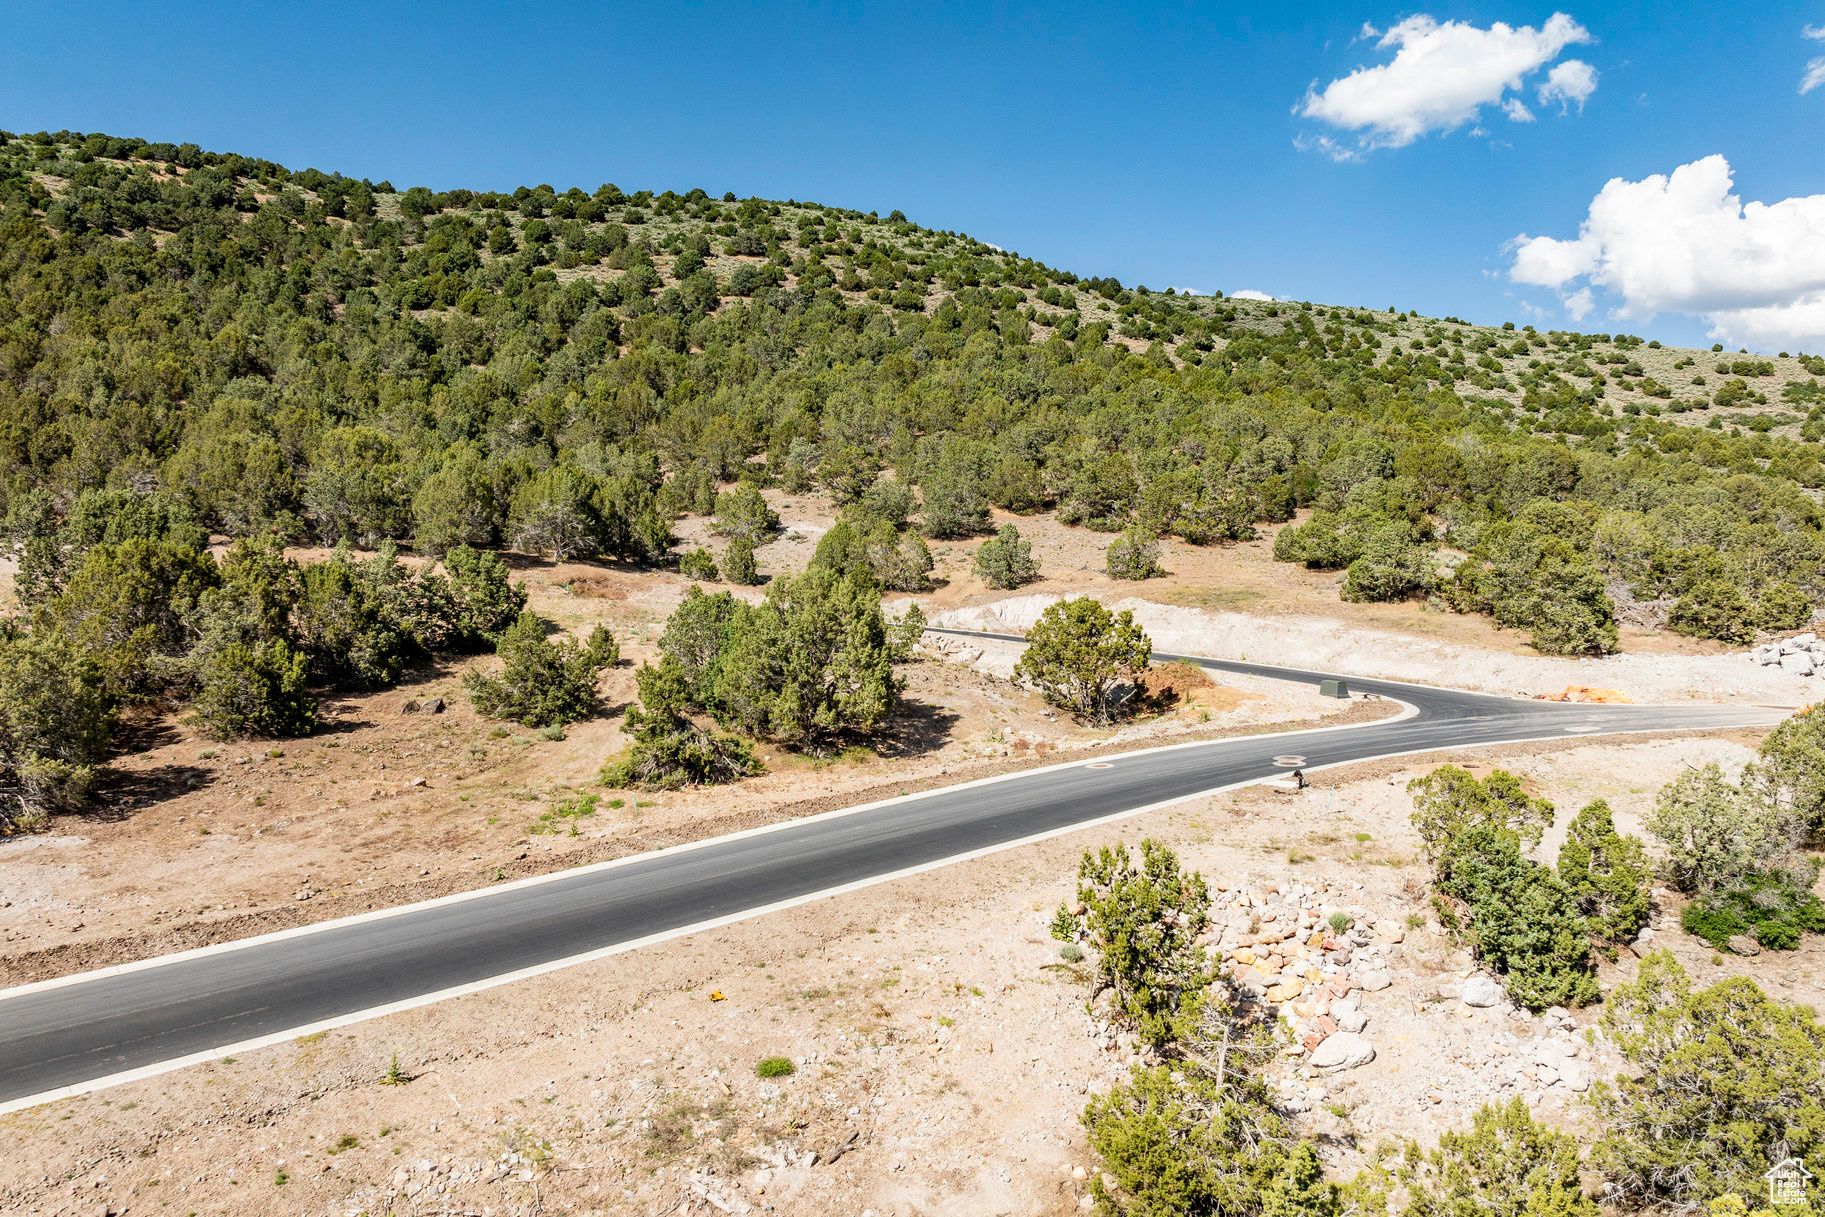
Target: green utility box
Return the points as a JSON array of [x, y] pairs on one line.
[[1333, 688]]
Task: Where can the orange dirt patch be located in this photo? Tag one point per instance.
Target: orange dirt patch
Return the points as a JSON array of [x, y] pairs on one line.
[[1186, 686]]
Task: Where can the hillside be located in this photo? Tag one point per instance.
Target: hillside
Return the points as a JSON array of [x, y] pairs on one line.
[[356, 548]]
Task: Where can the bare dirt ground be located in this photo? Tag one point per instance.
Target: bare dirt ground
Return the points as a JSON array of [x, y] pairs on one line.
[[939, 1042]]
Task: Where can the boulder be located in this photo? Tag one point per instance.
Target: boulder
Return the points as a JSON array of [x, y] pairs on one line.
[[1482, 991], [1345, 1050], [1799, 663], [1348, 1016], [1374, 982], [434, 706], [1742, 944], [1390, 931]]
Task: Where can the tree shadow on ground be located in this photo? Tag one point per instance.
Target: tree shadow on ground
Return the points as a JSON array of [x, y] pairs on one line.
[[916, 729], [121, 792]]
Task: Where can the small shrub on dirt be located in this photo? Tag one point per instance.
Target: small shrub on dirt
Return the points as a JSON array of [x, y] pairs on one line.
[[1523, 920], [1771, 907], [1005, 561], [669, 751], [1449, 800], [775, 1067], [738, 565], [699, 564], [1142, 922], [1506, 1165], [1607, 874], [542, 683], [1716, 833], [1134, 555], [55, 723]]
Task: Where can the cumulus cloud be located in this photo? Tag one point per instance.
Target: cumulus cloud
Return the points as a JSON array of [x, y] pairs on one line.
[[1815, 68], [1249, 293], [1570, 84], [1686, 243], [1441, 77]]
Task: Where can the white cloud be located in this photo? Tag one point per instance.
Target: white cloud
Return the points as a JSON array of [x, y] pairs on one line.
[[1517, 111], [1684, 243], [1570, 84], [1815, 68], [1580, 303], [1440, 78], [1249, 293]]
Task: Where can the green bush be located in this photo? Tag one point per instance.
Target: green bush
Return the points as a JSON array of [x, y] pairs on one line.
[[1185, 1144], [1523, 920], [1607, 874], [1450, 800], [1722, 1082], [669, 751], [1788, 773], [1142, 923], [812, 661], [1782, 606], [738, 565], [1392, 566], [1716, 609], [1531, 578], [1005, 561], [1084, 658], [895, 560], [258, 690], [1774, 908], [1134, 555], [55, 724], [541, 683], [1506, 1165], [745, 513], [1715, 833], [699, 564], [344, 626], [127, 605], [774, 1067], [1327, 541]]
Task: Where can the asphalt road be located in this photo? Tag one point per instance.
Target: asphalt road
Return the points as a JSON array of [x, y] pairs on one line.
[[64, 1036]]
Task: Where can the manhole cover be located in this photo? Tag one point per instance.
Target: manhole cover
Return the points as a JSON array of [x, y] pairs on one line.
[[1289, 761], [1099, 765]]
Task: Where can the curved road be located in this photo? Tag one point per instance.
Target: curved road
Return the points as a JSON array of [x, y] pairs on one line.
[[83, 1032]]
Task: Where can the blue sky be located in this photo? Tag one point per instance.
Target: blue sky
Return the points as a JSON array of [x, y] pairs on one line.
[[1171, 145]]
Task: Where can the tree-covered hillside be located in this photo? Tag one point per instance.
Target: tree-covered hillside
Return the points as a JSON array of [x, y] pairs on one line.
[[196, 343]]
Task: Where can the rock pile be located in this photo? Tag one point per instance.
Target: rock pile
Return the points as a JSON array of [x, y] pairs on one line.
[[1803, 654], [1308, 951]]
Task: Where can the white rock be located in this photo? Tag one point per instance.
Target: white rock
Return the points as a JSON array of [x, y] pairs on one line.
[[1348, 1016], [1343, 1050], [1482, 991], [1374, 982], [1576, 1076], [1799, 663]]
